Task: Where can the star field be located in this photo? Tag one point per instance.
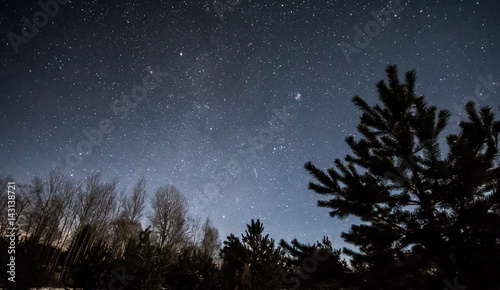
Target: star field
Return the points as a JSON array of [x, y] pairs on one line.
[[227, 105]]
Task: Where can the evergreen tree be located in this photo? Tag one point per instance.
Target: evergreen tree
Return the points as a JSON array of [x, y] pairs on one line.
[[193, 270], [234, 257], [144, 262], [314, 267], [92, 270], [254, 262], [266, 262], [427, 219], [78, 248]]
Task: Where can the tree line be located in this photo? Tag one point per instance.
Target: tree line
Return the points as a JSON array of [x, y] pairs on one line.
[[74, 233], [88, 235], [429, 205]]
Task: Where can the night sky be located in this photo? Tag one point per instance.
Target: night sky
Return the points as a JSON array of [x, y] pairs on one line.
[[226, 104]]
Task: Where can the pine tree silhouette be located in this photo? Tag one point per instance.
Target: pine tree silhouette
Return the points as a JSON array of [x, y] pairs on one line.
[[145, 262], [234, 256], [314, 267], [193, 270], [92, 271], [254, 262], [426, 218]]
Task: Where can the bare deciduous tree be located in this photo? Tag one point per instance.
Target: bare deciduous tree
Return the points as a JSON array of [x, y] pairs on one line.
[[193, 234], [210, 244], [169, 217], [127, 224], [96, 209]]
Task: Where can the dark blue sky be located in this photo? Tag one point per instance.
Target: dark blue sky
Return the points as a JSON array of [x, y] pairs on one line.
[[238, 100]]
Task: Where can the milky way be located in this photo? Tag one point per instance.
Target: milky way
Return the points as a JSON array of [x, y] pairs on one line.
[[226, 101]]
